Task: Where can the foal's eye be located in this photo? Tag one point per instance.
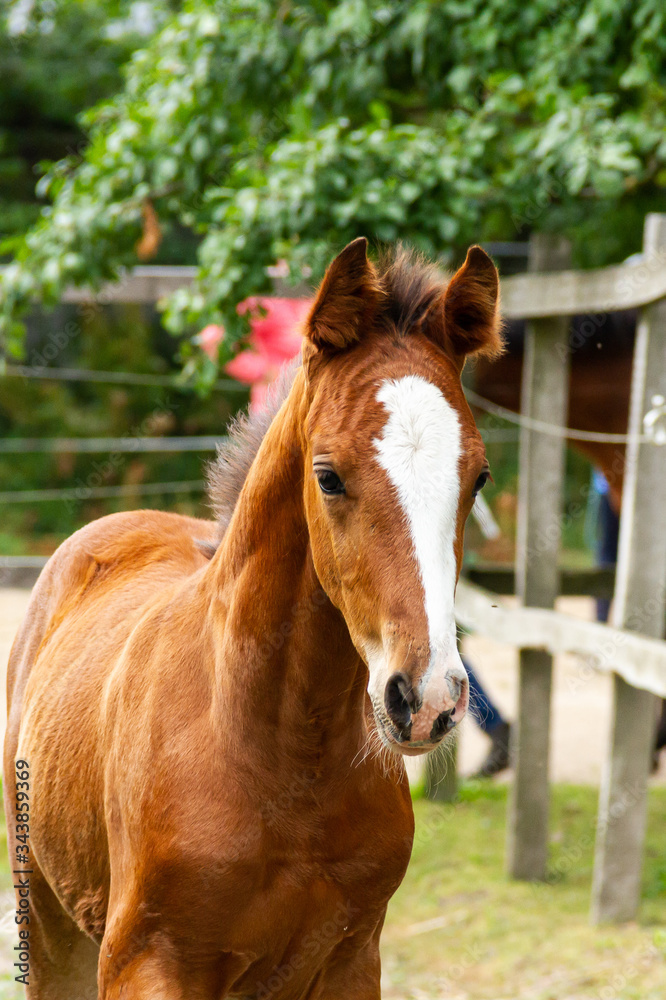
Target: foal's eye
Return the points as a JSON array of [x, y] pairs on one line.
[[329, 482], [481, 482]]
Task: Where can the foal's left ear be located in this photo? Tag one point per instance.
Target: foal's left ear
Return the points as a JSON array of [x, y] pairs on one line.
[[472, 323], [347, 299]]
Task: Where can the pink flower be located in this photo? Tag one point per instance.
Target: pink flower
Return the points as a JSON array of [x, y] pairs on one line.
[[209, 339], [275, 337]]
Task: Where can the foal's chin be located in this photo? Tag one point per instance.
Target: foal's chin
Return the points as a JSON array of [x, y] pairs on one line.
[[406, 748]]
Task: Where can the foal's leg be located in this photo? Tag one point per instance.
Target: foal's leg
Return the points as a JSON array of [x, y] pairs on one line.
[[353, 971], [135, 965], [63, 960], [159, 974], [150, 975]]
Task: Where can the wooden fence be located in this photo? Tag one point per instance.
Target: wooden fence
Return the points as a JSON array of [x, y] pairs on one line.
[[638, 664], [545, 298]]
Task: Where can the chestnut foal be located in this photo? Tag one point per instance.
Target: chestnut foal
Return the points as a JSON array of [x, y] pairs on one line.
[[196, 713]]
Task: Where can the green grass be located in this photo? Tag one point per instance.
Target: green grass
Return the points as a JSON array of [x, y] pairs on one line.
[[458, 928]]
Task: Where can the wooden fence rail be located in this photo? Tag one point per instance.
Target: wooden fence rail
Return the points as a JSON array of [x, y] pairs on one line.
[[572, 293], [639, 660], [524, 296]]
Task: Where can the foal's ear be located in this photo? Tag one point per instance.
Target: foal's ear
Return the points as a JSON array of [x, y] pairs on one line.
[[472, 323], [346, 300]]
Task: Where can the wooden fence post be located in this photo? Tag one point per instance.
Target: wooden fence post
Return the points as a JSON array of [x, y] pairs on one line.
[[639, 606], [545, 393]]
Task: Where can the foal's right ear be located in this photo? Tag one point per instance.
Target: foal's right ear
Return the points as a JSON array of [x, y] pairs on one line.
[[347, 299], [472, 323]]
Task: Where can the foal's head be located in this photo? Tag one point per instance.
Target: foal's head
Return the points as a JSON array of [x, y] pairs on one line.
[[393, 463]]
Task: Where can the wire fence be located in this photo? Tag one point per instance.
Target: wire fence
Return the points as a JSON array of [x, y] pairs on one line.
[[129, 445], [569, 433], [112, 378], [102, 492], [92, 445], [126, 445]]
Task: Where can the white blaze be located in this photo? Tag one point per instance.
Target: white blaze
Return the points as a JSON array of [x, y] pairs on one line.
[[420, 450]]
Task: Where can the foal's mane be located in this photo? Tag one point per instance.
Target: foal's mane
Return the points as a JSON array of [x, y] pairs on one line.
[[410, 284], [228, 471]]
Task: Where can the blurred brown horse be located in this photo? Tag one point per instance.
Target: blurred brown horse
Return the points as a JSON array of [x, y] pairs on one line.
[[196, 702], [601, 356]]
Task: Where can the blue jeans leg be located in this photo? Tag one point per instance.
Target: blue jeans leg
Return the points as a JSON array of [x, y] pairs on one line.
[[486, 714], [608, 532]]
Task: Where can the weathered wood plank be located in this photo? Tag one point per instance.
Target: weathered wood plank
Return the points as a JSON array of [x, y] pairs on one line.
[[641, 661], [639, 605], [143, 284], [20, 571], [545, 391], [570, 293], [524, 296]]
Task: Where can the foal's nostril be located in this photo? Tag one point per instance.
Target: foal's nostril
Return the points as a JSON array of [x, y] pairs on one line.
[[454, 685], [442, 724], [399, 700]]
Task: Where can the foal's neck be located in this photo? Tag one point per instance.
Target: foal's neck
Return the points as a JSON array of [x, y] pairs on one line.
[[286, 647]]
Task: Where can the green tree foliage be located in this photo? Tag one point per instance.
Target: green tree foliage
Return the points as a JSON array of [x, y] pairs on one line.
[[281, 131], [56, 58]]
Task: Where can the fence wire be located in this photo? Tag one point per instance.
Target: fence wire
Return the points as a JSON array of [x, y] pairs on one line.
[[101, 492]]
